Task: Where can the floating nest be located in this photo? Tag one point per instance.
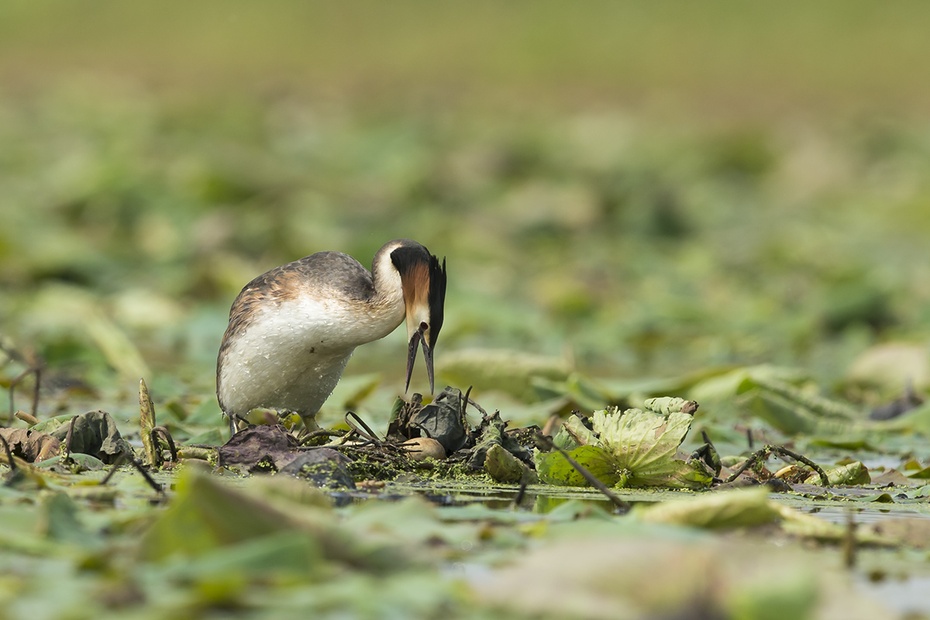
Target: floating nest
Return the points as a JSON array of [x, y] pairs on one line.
[[422, 441]]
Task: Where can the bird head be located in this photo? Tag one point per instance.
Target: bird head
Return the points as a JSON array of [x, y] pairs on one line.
[[423, 279]]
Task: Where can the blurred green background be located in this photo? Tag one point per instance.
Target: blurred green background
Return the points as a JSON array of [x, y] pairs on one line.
[[635, 190]]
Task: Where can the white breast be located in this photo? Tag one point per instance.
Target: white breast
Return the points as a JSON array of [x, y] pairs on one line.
[[292, 353]]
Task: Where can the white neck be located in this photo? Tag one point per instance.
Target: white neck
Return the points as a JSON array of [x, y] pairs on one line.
[[385, 309]]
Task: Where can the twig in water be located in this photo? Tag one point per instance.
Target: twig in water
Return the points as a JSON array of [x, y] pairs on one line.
[[9, 454], [591, 478], [763, 452], [362, 429], [322, 432], [148, 478], [463, 405], [824, 479], [29, 419], [33, 367], [122, 458], [474, 404], [116, 465], [68, 437], [161, 431], [749, 462]]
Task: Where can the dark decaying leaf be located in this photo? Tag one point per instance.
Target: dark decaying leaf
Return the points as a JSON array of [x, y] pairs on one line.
[[95, 433], [442, 420], [30, 445], [272, 448], [271, 445]]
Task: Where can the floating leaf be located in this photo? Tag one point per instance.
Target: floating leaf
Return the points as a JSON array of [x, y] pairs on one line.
[[630, 448], [888, 364], [920, 474], [503, 466], [851, 473], [84, 462], [274, 554], [259, 448], [441, 420], [207, 515], [638, 574], [645, 444], [58, 519], [553, 468], [723, 509]]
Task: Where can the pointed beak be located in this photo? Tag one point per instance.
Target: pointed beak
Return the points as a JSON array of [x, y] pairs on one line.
[[415, 341], [423, 280]]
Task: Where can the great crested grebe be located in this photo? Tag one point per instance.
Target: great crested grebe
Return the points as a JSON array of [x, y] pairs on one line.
[[293, 329]]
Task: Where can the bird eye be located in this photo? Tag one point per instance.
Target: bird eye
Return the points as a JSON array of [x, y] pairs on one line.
[[424, 326]]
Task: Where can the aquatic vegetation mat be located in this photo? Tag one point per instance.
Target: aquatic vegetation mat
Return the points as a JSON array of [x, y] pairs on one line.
[[269, 521], [773, 271]]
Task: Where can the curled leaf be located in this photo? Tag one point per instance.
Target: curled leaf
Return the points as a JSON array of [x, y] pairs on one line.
[[503, 466], [146, 424], [632, 448], [94, 433], [851, 473], [30, 445]]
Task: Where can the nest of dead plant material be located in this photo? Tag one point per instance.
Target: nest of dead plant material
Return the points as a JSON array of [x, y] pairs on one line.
[[428, 441]]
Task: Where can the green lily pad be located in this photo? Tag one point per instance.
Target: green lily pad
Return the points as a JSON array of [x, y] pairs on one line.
[[725, 509], [632, 448], [553, 468], [851, 473]]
